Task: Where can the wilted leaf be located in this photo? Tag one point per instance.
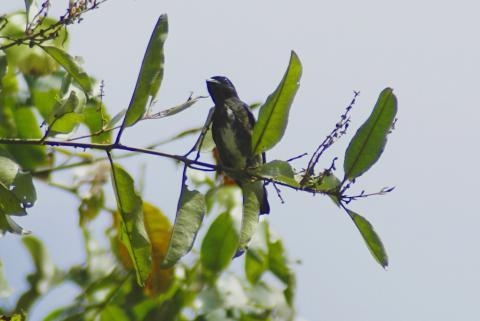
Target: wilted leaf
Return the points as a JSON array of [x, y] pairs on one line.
[[370, 139], [71, 66], [219, 244], [371, 238], [176, 109], [132, 230], [151, 74], [273, 116], [190, 211], [158, 228]]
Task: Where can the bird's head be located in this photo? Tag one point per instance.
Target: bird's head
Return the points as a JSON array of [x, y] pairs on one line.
[[220, 88]]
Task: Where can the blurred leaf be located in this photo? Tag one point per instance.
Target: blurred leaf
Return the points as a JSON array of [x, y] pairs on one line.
[[71, 66], [32, 61], [90, 207], [45, 100], [370, 139], [132, 229], [115, 119], [256, 260], [113, 313], [251, 209], [29, 157], [372, 239], [31, 9], [9, 202], [66, 83], [278, 264], [227, 197], [256, 263], [44, 277], [3, 67], [190, 212], [273, 116], [279, 171], [5, 290], [219, 244], [95, 117], [66, 115], [13, 317], [158, 228], [151, 74], [73, 312], [16, 187]]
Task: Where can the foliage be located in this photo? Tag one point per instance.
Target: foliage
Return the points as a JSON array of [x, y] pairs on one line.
[[43, 87]]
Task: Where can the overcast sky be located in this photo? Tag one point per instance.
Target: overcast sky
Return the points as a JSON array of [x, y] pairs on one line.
[[427, 51]]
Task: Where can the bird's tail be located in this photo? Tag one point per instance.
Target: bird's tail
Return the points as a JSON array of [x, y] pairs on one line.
[[263, 200], [261, 194]]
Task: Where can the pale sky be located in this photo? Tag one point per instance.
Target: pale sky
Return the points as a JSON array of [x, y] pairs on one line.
[[427, 51]]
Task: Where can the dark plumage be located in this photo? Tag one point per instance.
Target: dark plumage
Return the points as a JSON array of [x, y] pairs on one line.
[[232, 128]]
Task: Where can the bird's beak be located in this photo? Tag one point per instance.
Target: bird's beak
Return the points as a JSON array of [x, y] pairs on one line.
[[212, 81]]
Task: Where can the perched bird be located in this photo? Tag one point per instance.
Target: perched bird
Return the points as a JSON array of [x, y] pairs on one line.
[[232, 128]]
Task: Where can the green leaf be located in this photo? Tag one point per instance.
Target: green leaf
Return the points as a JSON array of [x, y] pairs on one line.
[[372, 239], [45, 100], [132, 231], [273, 116], [71, 66], [279, 171], [66, 115], [190, 212], [256, 263], [95, 117], [251, 209], [17, 191], [369, 141], [219, 244], [151, 74], [10, 204], [28, 156]]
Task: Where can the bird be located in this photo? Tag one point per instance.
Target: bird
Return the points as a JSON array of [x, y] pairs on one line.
[[232, 129]]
